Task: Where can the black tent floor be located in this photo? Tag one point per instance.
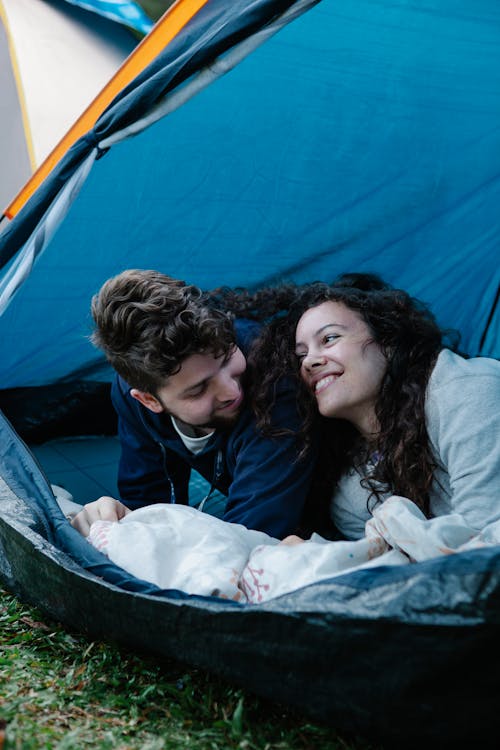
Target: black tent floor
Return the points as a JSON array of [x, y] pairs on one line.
[[408, 657], [84, 466], [87, 468]]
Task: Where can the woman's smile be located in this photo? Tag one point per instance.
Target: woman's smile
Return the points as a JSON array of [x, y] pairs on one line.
[[341, 363]]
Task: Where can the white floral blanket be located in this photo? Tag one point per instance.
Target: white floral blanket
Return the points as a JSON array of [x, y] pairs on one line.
[[177, 547]]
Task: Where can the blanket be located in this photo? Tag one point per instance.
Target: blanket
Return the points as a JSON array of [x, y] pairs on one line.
[[178, 547]]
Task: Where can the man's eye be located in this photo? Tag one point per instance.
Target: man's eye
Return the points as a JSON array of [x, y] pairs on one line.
[[198, 392]]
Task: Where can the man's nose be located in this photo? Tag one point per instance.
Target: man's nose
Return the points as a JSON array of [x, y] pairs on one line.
[[227, 390]]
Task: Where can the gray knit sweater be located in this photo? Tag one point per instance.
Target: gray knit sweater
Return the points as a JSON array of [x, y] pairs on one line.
[[463, 422]]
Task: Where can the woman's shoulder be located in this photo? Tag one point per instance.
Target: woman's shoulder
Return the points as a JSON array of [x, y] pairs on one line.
[[451, 367], [461, 390]]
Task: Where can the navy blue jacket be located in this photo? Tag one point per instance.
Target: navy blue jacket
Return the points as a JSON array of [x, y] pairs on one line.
[[265, 484]]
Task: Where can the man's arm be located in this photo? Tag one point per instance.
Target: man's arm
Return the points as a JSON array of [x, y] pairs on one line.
[[270, 483], [143, 472]]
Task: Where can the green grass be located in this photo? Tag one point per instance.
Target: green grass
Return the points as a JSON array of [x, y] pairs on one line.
[[63, 692]]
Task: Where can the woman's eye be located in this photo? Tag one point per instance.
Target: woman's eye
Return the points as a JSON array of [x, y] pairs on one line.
[[330, 338]]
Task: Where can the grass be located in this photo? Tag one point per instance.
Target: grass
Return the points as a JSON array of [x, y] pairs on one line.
[[59, 691]]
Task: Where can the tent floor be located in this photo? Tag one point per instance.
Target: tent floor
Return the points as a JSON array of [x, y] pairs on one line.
[[87, 468], [84, 466]]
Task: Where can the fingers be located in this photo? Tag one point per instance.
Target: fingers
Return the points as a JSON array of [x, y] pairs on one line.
[[292, 539], [105, 508], [108, 509], [121, 509]]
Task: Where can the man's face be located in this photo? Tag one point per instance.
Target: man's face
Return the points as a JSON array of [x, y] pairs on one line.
[[205, 393]]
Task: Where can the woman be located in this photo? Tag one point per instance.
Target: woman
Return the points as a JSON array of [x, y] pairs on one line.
[[406, 415]]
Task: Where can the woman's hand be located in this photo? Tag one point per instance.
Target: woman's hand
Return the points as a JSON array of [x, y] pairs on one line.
[[292, 539]]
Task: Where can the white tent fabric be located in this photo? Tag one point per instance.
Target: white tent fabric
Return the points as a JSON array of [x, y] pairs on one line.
[[54, 59]]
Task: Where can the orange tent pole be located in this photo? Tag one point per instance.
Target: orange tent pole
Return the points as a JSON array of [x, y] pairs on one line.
[[169, 25]]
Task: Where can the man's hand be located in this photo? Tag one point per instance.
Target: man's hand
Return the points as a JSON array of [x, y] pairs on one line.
[[105, 508]]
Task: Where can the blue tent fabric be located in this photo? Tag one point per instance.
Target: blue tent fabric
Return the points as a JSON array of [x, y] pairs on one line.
[[205, 38], [126, 12], [359, 137]]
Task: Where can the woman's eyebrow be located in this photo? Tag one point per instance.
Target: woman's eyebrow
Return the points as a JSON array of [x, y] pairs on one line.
[[320, 331], [329, 325]]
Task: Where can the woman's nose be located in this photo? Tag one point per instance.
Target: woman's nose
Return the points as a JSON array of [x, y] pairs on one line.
[[312, 360]]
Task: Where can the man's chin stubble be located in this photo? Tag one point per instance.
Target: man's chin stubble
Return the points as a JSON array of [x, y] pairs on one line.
[[222, 423]]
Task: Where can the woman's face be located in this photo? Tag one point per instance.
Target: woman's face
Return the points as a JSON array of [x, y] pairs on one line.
[[340, 363]]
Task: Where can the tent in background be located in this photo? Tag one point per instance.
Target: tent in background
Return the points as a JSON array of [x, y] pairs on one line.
[[137, 14], [324, 137], [54, 59]]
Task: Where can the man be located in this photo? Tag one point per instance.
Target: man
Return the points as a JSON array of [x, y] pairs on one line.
[[180, 398]]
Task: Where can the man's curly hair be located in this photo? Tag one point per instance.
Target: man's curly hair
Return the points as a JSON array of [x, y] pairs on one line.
[[148, 323]]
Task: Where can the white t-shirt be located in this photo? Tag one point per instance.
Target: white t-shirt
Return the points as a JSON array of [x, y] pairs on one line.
[[193, 444]]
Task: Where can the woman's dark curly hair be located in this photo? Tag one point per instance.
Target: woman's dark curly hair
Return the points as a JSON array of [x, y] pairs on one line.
[[410, 339]]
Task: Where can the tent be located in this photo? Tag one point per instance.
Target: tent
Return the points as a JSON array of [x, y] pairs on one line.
[[359, 137], [53, 62], [243, 143], [139, 15]]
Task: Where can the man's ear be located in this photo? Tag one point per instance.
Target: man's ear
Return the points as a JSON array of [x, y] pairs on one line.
[[147, 400]]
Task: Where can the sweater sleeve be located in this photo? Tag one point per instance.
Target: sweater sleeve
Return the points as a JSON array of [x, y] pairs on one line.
[[463, 419], [269, 483], [142, 473]]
